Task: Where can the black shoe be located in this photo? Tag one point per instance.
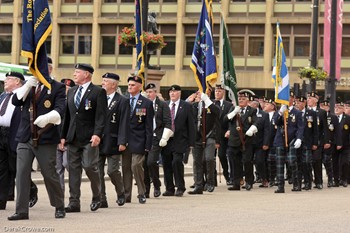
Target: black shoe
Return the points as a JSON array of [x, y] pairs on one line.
[[2, 205], [196, 191], [279, 190], [72, 209], [11, 198], [192, 186], [147, 195], [330, 184], [179, 193], [344, 183], [248, 187], [17, 216], [33, 200], [296, 189], [104, 204], [156, 193], [229, 182], [142, 199], [258, 180], [205, 188], [210, 188], [336, 184], [319, 186], [264, 184], [168, 194], [290, 181], [60, 213], [95, 205], [121, 200], [234, 188]]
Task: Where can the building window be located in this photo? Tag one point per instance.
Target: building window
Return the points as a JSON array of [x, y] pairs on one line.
[[302, 46], [76, 39], [67, 44], [237, 46], [108, 45], [48, 45], [84, 45], [5, 38], [78, 1], [189, 45], [169, 49], [256, 46], [346, 47], [6, 1]]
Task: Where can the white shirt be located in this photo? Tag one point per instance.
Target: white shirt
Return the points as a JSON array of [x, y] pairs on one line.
[[109, 98], [85, 87], [177, 103], [5, 120]]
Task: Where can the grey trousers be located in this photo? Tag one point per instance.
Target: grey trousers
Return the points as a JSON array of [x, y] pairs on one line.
[[113, 171], [46, 156], [61, 166], [79, 157]]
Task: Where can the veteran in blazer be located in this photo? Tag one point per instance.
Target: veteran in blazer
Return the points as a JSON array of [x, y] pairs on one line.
[[182, 119], [82, 131], [114, 138], [50, 108], [140, 139], [161, 134]]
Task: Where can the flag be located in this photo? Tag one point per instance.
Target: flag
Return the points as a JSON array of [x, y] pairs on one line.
[[36, 28], [140, 64], [203, 61], [228, 72], [280, 71], [327, 36]]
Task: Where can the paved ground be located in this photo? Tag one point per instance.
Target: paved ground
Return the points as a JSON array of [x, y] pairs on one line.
[[259, 210]]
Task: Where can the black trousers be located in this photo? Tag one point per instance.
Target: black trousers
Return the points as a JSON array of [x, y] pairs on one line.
[[173, 171]]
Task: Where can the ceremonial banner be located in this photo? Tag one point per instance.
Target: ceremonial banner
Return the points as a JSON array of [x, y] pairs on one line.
[[36, 28]]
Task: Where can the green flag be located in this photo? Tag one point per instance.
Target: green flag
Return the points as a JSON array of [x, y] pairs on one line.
[[228, 73]]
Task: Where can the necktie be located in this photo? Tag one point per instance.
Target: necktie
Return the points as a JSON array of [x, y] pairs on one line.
[[78, 97], [38, 91], [172, 111], [108, 98], [5, 103], [132, 105], [242, 111]]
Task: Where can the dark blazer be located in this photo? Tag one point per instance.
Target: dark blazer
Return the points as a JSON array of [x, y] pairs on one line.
[[310, 129], [332, 128], [212, 123], [272, 129], [115, 132], [322, 126], [184, 135], [224, 110], [295, 128], [343, 133], [89, 119], [162, 117], [48, 100], [262, 136], [141, 126], [248, 119]]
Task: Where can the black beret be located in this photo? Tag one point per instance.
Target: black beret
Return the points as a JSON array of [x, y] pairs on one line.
[[68, 82], [219, 86], [325, 102], [15, 74], [313, 94], [301, 98], [111, 76], [150, 86], [253, 98], [244, 93], [49, 60], [135, 79], [174, 88], [271, 101], [85, 67]]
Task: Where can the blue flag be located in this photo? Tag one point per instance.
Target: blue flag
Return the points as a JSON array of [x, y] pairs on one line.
[[140, 64], [280, 72], [203, 61], [36, 28]]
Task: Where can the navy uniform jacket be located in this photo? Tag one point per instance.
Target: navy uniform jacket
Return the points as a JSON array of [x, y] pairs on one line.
[[89, 119], [248, 119], [331, 127], [184, 135], [343, 133], [272, 129], [212, 124], [162, 117], [295, 128], [224, 109], [48, 100], [141, 126], [115, 132], [311, 136], [322, 126], [262, 136]]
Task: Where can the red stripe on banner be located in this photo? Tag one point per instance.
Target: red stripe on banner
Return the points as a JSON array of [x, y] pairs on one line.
[[339, 38], [327, 34]]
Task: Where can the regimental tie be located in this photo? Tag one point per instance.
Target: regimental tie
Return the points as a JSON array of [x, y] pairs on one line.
[[172, 111], [78, 97], [242, 111], [5, 103], [38, 91], [132, 105]]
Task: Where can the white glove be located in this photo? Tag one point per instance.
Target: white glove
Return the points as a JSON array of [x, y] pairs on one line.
[[283, 109], [297, 143], [167, 133], [234, 112], [23, 91], [206, 100], [52, 117], [252, 130]]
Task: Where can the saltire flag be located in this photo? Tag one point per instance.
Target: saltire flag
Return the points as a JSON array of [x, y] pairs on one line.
[[203, 61], [327, 36], [280, 71], [228, 72], [36, 27], [140, 64]]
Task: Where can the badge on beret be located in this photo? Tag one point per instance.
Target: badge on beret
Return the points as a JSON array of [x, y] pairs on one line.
[[47, 104], [346, 127]]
